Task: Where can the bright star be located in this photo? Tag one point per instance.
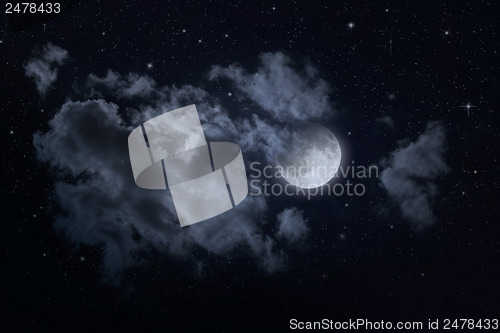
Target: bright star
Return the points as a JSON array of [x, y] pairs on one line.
[[150, 65], [467, 106], [350, 25], [446, 33]]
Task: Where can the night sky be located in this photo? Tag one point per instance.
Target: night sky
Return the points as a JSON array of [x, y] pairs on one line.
[[408, 86]]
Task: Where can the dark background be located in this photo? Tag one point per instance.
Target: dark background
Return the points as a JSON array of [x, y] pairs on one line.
[[450, 270]]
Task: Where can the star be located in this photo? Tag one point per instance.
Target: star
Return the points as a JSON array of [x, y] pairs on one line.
[[199, 40], [342, 236], [150, 65], [467, 106], [350, 25], [446, 33], [229, 94]]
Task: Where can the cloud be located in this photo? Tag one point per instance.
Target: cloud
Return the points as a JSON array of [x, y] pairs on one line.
[[43, 66], [292, 225], [386, 120], [104, 207], [284, 92], [132, 85], [255, 134], [86, 147], [242, 225], [410, 173]]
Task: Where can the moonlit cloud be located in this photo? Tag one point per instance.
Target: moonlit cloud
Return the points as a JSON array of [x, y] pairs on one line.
[[103, 207], [292, 226], [284, 92], [86, 149], [410, 173]]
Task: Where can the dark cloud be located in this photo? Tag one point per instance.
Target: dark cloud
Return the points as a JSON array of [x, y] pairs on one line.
[[410, 173], [386, 120], [43, 66], [292, 225], [285, 93], [88, 140]]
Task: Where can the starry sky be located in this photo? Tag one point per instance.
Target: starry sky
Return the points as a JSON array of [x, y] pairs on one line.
[[408, 86]]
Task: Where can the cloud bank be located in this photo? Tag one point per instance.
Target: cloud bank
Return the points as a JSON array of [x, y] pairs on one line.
[[86, 147]]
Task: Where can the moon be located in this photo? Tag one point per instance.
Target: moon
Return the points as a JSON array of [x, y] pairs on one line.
[[313, 158]]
